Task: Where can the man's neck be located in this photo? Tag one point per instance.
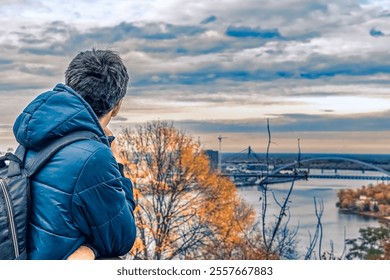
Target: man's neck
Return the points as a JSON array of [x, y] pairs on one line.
[[105, 120]]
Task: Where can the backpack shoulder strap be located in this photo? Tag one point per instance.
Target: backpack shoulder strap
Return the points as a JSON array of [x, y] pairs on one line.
[[15, 161], [46, 153]]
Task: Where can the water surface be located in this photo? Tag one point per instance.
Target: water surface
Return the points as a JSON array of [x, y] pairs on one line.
[[335, 224]]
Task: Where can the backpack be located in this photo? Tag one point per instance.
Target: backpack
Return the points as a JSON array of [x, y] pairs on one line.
[[15, 192]]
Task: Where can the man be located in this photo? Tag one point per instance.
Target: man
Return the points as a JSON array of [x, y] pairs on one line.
[[82, 206]]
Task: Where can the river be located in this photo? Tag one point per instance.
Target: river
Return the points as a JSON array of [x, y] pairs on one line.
[[336, 225]]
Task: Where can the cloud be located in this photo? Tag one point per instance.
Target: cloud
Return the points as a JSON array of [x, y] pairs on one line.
[[16, 87], [359, 122], [119, 119], [6, 126], [40, 71], [334, 66], [294, 123], [228, 60], [147, 31], [62, 39]]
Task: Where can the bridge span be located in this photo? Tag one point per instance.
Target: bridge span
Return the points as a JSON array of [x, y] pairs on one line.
[[298, 163], [314, 176], [262, 177], [351, 177]]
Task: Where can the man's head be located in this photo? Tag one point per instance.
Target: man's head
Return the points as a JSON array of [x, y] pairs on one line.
[[100, 77]]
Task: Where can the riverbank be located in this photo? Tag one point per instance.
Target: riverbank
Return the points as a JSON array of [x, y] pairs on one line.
[[378, 216], [371, 201]]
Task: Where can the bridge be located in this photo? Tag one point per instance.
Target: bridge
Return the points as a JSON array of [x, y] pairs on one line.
[[266, 177], [351, 177], [314, 176], [298, 163]]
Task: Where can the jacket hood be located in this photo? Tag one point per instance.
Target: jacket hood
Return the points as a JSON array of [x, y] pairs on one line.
[[54, 114]]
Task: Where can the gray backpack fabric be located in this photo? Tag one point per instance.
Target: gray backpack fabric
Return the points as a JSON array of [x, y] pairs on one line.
[[15, 176]]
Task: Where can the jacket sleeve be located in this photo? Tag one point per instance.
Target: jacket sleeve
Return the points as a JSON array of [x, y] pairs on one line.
[[103, 205]]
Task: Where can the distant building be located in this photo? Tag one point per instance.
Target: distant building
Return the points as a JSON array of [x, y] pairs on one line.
[[213, 158], [363, 197]]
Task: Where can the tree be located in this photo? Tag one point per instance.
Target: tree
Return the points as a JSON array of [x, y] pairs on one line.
[[277, 237], [373, 244], [184, 210]]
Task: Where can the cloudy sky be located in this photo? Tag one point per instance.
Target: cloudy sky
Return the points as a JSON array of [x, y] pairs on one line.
[[318, 70]]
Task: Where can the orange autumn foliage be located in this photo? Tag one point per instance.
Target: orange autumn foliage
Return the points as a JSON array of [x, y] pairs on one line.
[[184, 210]]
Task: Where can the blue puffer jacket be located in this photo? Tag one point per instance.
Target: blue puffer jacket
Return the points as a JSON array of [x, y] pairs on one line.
[[79, 197]]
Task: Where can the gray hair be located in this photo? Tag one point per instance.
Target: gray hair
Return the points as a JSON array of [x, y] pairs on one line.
[[100, 77]]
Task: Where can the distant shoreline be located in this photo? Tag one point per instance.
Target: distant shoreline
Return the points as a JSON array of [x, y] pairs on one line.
[[365, 214]]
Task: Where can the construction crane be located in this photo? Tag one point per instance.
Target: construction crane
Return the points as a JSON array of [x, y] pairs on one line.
[[219, 152]]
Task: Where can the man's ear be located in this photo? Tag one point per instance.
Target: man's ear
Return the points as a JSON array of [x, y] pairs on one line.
[[117, 108]]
